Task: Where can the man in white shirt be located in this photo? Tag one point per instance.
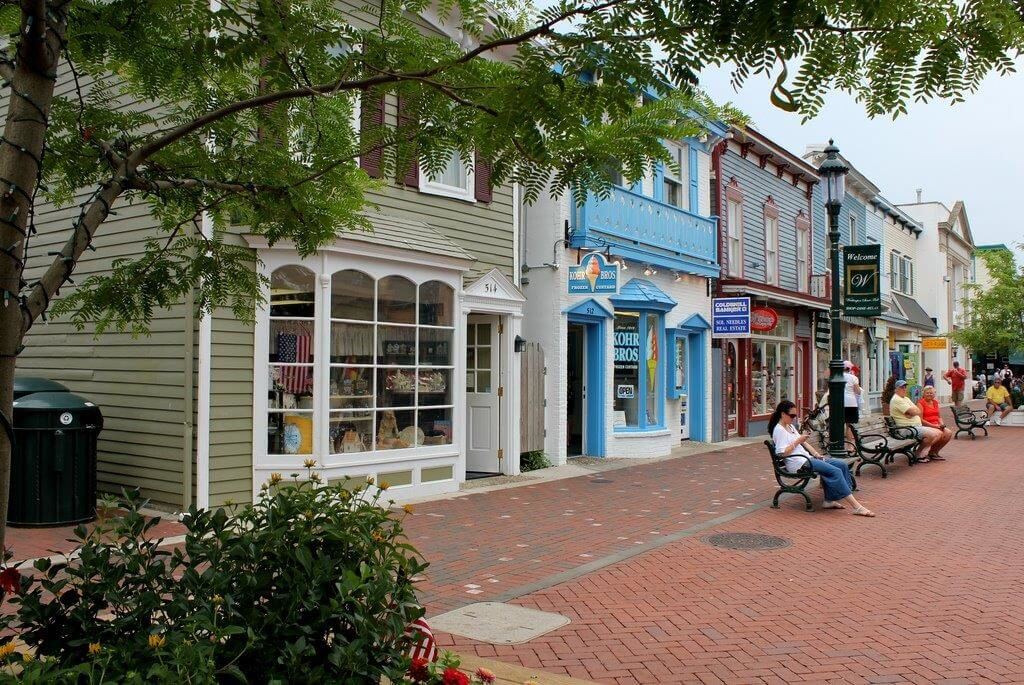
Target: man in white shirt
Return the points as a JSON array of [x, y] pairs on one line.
[[851, 398]]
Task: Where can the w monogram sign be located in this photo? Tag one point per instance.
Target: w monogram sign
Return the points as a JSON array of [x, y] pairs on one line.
[[861, 280]]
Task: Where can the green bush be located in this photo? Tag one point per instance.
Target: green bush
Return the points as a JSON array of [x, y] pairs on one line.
[[531, 461], [310, 584]]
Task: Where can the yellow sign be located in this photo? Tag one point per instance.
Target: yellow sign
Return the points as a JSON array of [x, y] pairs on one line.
[[933, 343]]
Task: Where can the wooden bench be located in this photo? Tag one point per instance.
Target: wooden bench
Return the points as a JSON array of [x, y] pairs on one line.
[[969, 420], [878, 442], [792, 483]]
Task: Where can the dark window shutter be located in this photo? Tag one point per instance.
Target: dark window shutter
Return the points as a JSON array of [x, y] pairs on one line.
[[482, 173], [411, 177], [371, 119]]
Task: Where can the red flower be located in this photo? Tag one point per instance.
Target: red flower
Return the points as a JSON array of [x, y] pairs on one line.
[[10, 581], [485, 675], [418, 672], [453, 676]]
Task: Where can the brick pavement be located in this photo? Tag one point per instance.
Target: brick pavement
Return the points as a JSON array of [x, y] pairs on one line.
[[931, 591]]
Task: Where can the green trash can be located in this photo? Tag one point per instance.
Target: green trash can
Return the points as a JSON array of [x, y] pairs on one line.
[[53, 469], [26, 385]]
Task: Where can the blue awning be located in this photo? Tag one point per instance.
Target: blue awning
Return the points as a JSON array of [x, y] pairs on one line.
[[642, 294]]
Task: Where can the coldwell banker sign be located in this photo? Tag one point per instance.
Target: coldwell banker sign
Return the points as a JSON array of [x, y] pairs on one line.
[[861, 293], [730, 317], [594, 276]]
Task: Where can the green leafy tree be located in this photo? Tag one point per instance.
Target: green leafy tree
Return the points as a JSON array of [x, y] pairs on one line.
[[241, 110], [996, 312]]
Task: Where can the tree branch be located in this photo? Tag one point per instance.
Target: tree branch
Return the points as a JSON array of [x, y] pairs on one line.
[[197, 124]]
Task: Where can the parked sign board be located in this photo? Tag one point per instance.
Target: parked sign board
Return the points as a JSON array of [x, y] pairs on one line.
[[730, 317], [861, 269], [594, 275]]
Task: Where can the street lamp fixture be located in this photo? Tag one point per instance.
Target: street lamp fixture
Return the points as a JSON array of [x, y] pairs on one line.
[[833, 171]]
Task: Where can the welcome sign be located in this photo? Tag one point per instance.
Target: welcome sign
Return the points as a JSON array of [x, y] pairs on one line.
[[861, 292], [594, 275]]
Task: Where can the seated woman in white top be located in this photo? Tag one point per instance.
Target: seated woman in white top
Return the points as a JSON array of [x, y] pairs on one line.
[[834, 473]]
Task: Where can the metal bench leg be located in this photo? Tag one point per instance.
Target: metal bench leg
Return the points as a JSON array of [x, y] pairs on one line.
[[874, 462], [775, 501]]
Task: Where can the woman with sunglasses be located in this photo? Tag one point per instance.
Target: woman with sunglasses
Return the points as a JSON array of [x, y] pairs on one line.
[[834, 473]]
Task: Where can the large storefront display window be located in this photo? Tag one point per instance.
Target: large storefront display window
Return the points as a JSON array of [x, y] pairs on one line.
[[387, 383], [638, 369], [772, 367]]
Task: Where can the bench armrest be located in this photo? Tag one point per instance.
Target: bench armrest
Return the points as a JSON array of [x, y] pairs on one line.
[[903, 433]]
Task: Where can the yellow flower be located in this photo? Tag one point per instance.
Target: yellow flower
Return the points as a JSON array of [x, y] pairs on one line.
[[217, 600], [369, 480], [94, 648], [315, 477], [384, 485], [157, 641], [27, 657], [309, 463], [407, 509], [6, 649], [275, 478]]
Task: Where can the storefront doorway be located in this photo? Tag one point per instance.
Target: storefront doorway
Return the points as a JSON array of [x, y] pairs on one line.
[[483, 395], [575, 415]]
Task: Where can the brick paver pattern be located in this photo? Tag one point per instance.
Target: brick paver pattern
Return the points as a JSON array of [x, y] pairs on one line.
[[931, 591]]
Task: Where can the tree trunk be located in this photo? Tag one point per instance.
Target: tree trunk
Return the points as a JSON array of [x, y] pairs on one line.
[[29, 97]]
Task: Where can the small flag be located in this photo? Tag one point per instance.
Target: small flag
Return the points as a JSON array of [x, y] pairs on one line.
[[423, 646], [293, 349]]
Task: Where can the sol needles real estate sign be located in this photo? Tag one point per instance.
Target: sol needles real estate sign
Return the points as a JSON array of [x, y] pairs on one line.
[[594, 275], [861, 280]]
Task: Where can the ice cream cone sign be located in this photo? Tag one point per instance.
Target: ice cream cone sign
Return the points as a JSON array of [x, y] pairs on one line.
[[652, 361], [593, 271]]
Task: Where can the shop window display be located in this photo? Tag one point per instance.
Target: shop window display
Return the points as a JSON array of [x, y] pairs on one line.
[[391, 364], [638, 372], [772, 368], [290, 378]]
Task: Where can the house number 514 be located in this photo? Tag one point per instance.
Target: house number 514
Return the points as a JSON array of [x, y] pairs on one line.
[[490, 287]]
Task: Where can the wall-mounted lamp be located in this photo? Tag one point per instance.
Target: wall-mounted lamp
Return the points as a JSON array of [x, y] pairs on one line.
[[677, 276], [520, 343], [649, 270]]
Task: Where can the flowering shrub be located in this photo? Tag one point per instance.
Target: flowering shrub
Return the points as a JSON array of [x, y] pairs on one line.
[[312, 583], [445, 672]]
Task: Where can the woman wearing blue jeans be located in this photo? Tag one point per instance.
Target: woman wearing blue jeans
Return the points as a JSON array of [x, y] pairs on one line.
[[834, 473]]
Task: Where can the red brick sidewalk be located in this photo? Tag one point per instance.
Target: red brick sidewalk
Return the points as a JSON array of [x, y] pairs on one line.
[[930, 591], [498, 545]]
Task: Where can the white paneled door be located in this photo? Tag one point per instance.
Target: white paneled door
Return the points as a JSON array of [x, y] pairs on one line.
[[483, 394]]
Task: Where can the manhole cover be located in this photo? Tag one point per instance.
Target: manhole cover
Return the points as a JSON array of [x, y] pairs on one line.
[[601, 480], [746, 541]]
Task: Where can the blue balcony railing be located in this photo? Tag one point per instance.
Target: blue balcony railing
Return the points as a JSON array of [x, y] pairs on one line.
[[646, 230]]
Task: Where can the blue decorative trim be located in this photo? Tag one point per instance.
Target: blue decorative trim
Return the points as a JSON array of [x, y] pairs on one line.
[[642, 294], [589, 311], [659, 181], [696, 322], [694, 188], [596, 373]]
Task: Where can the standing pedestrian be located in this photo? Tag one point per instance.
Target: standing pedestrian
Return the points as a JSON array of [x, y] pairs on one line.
[[956, 378], [851, 398], [929, 378]]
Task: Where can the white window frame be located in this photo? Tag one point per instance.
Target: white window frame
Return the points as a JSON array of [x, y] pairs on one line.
[[904, 277], [853, 230], [803, 278], [467, 194], [910, 276], [734, 221], [894, 270], [771, 250], [680, 153]]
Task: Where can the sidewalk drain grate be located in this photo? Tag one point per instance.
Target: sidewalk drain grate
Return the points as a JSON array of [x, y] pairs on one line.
[[746, 541]]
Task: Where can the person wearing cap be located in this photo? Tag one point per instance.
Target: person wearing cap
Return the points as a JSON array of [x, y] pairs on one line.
[[851, 398], [906, 414], [929, 378], [957, 378], [998, 399]]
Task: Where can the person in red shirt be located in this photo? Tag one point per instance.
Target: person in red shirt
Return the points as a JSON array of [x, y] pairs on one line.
[[930, 417], [956, 377]]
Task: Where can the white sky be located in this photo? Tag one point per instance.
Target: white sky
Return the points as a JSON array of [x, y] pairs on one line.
[[963, 152]]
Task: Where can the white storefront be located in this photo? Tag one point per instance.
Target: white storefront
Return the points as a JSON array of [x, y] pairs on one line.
[[374, 359]]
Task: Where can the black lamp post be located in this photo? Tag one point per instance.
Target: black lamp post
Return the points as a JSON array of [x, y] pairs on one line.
[[833, 173]]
